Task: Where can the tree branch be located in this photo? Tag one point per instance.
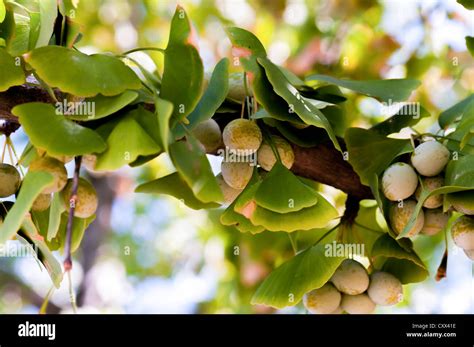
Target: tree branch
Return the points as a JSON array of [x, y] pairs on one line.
[[321, 163]]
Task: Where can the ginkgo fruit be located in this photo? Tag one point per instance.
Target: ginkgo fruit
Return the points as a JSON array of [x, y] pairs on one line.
[[469, 252], [242, 134], [230, 194], [351, 278], [430, 184], [266, 157], [400, 215], [323, 300], [385, 289], [237, 87], [399, 181], [462, 232], [236, 175], [55, 168], [86, 202], [435, 221], [9, 180], [209, 135], [463, 201], [41, 203], [357, 304], [430, 158]]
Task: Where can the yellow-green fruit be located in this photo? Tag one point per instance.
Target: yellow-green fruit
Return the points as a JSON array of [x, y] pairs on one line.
[[42, 202], [86, 203], [435, 221], [463, 201], [350, 278], [236, 86], [430, 158], [430, 184], [242, 134], [9, 180], [323, 300], [399, 217], [399, 181], [54, 167], [230, 194], [236, 175], [462, 232], [266, 158], [357, 304], [209, 134], [338, 310], [385, 289]]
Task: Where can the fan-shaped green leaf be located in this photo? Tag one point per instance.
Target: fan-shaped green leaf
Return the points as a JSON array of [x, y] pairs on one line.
[[454, 112], [54, 133], [48, 14], [82, 74], [287, 284], [407, 116], [11, 74], [164, 111]]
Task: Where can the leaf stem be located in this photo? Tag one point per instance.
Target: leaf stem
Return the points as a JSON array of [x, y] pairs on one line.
[[327, 233], [72, 208], [156, 49], [294, 244]]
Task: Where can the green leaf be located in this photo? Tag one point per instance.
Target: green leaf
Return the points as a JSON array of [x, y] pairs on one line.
[[55, 210], [125, 143], [164, 111], [183, 69], [286, 285], [68, 7], [175, 186], [193, 166], [32, 186], [82, 74], [54, 133], [461, 139], [307, 137], [454, 112], [48, 14], [402, 263], [281, 191], [469, 4], [79, 227], [385, 90], [370, 153], [407, 116], [470, 44], [245, 40], [213, 97], [102, 106], [308, 113], [3, 11], [45, 256], [11, 74]]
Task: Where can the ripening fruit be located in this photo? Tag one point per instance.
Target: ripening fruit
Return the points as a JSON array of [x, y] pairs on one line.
[[41, 203], [430, 158], [230, 194], [430, 184], [338, 310], [462, 232], [351, 277], [469, 252], [87, 201], [322, 300], [463, 201], [385, 289], [435, 221], [266, 158], [209, 134], [357, 304], [54, 167], [399, 181], [236, 175], [9, 180], [236, 86], [399, 217], [242, 134]]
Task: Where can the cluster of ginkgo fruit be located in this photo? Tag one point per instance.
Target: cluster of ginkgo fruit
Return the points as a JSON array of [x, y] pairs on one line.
[[243, 138], [10, 184], [400, 184], [353, 291]]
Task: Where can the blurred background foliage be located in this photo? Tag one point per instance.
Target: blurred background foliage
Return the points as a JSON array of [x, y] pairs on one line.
[[150, 254]]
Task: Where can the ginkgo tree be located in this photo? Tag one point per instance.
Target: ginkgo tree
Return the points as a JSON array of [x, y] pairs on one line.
[[281, 135]]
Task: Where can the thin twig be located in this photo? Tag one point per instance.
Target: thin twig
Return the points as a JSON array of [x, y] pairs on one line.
[[72, 208]]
